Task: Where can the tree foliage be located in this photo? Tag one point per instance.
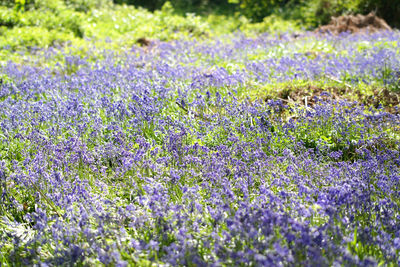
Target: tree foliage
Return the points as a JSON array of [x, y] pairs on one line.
[[315, 11]]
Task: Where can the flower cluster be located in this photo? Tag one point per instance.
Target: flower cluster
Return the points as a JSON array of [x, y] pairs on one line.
[[153, 156]]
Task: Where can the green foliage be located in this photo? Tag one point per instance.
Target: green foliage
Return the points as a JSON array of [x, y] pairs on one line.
[[32, 36], [86, 5], [8, 17], [39, 24], [389, 10], [43, 23], [149, 4], [179, 5], [322, 10], [54, 5], [46, 23], [259, 9], [317, 12]]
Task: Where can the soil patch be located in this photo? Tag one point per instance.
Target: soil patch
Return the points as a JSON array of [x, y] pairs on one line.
[[389, 99], [143, 41], [309, 96], [354, 24]]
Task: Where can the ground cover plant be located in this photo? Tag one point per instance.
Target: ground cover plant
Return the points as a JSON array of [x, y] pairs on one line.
[[240, 149], [183, 153]]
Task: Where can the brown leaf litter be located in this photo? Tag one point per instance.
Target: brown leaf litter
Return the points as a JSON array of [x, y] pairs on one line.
[[354, 24]]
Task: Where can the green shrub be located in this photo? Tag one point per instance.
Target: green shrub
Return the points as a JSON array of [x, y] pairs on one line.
[[77, 5], [71, 21], [27, 37], [8, 17], [258, 9], [86, 5]]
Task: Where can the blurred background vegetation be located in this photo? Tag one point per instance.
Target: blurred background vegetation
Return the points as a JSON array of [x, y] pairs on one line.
[[312, 12], [27, 24]]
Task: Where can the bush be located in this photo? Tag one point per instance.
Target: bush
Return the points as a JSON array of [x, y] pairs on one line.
[[54, 5], [29, 37], [257, 10], [8, 17], [86, 5]]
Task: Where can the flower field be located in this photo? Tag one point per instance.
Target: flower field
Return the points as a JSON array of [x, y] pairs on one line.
[[196, 153]]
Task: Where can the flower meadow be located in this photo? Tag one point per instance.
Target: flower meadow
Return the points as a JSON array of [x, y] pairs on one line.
[[171, 155]]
